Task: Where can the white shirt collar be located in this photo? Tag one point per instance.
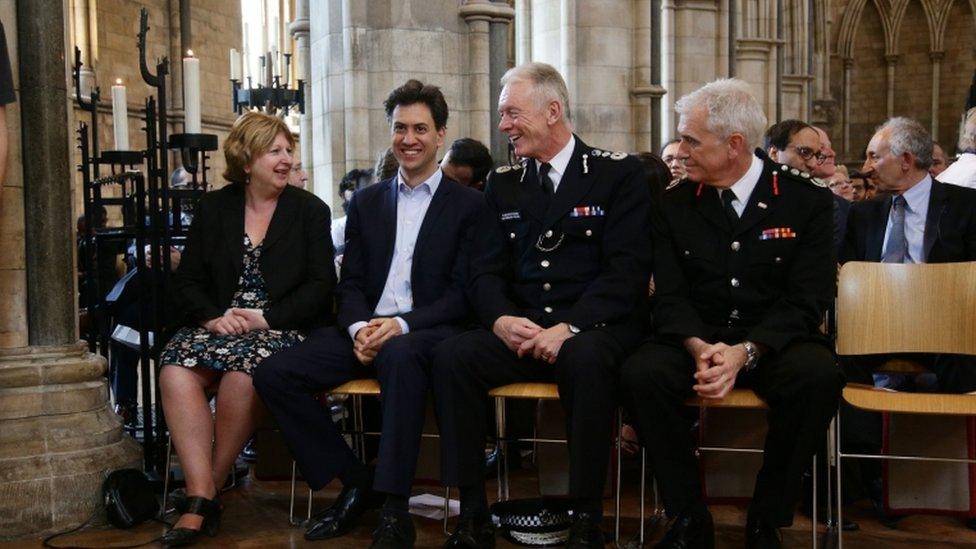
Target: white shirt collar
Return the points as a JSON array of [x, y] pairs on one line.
[[560, 162], [431, 182], [918, 196], [746, 184]]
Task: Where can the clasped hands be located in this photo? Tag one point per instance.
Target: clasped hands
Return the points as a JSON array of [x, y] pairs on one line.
[[371, 337], [236, 321], [526, 338], [716, 366]]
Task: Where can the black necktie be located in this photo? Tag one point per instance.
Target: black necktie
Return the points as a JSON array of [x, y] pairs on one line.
[[545, 180], [727, 197]]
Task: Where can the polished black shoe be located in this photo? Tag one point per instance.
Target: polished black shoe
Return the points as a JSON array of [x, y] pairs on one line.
[[209, 509], [585, 532], [762, 535], [394, 532], [342, 516], [692, 529], [472, 533]]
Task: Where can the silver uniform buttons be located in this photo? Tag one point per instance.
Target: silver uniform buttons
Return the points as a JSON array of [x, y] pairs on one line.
[[736, 245], [549, 233], [734, 314], [544, 263], [547, 286], [548, 309], [512, 236], [589, 232], [734, 282], [778, 259], [687, 253]]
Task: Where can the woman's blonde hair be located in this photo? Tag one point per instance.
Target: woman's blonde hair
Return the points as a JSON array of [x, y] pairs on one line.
[[252, 134]]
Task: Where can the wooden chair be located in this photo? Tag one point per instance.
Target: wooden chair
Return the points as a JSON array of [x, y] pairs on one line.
[[896, 308]]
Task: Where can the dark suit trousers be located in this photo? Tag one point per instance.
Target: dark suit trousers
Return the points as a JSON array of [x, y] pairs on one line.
[[288, 381], [801, 385], [466, 367]]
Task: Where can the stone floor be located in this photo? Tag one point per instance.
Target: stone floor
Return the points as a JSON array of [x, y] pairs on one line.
[[257, 516]]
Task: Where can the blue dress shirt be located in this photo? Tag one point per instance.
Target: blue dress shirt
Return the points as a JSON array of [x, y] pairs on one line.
[[916, 212]]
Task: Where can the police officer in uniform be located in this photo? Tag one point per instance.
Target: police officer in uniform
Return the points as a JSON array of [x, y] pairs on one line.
[[559, 275], [744, 269]]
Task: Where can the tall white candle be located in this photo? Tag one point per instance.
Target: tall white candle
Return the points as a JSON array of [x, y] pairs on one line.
[[191, 93], [235, 65], [275, 64], [120, 116]]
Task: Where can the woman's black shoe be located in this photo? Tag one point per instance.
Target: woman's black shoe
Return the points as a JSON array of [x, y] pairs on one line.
[[209, 509]]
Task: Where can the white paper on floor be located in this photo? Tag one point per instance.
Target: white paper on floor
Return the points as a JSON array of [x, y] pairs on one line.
[[432, 507]]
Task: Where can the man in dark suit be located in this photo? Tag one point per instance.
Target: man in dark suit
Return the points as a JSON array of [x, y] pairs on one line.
[[917, 219], [561, 266], [401, 292], [744, 269]]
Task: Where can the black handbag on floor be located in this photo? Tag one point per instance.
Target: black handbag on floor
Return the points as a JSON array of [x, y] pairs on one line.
[[128, 498]]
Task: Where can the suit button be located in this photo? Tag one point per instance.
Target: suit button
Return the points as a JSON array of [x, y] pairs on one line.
[[511, 235], [734, 282], [544, 263], [549, 233], [547, 309], [736, 245], [589, 232], [547, 286]]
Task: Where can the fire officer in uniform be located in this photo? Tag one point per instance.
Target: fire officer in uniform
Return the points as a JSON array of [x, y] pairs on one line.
[[744, 269], [558, 281]]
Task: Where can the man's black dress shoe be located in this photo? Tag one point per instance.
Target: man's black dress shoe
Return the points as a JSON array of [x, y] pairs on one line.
[[341, 517], [472, 533], [209, 509], [692, 529], [762, 535], [394, 532], [585, 532]]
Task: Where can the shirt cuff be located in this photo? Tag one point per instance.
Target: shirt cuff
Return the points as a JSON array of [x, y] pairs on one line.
[[355, 327], [404, 327]]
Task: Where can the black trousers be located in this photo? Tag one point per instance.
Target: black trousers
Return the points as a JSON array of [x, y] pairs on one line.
[[288, 381], [801, 385], [466, 367]]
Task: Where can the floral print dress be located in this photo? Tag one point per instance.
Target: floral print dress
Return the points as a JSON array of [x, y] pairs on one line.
[[193, 347]]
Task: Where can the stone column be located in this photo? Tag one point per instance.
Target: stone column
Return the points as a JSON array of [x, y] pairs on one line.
[[299, 29], [523, 31], [58, 437], [891, 62], [497, 65], [936, 57], [478, 14], [848, 68]]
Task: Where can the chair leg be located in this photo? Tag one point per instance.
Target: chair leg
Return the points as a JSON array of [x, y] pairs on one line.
[[813, 527], [616, 510], [840, 499], [643, 485], [308, 510], [831, 463], [447, 508], [291, 497], [166, 473]]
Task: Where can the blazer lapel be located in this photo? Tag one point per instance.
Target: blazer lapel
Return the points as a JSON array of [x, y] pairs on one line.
[[282, 218], [572, 187], [232, 225], [876, 230], [388, 222], [933, 218], [709, 206], [437, 204]]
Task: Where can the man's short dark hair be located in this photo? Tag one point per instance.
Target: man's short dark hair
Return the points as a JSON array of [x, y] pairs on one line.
[[415, 91], [780, 134], [355, 180], [666, 145], [474, 154]]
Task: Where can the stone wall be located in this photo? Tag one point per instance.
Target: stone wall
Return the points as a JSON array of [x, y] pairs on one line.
[[13, 281]]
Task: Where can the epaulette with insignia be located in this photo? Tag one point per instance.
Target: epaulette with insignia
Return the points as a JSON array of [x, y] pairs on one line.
[[507, 168], [597, 153], [675, 183], [800, 175]]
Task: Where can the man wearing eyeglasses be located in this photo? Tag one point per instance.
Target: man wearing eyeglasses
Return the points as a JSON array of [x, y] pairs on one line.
[[800, 146]]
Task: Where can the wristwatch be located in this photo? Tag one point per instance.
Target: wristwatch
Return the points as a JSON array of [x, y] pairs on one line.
[[572, 329], [752, 355]]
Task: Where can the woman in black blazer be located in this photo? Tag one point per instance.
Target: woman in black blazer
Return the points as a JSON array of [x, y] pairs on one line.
[[256, 274]]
